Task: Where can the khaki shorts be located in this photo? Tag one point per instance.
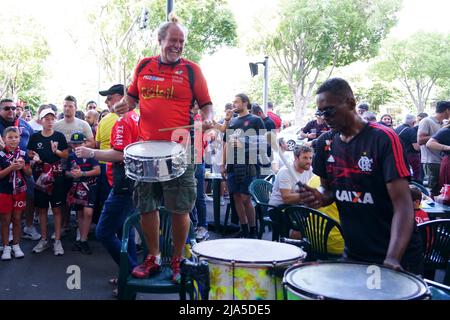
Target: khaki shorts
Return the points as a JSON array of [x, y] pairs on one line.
[[179, 194]]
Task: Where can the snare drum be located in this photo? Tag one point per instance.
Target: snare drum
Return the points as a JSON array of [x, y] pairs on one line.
[[247, 269], [154, 161], [351, 281]]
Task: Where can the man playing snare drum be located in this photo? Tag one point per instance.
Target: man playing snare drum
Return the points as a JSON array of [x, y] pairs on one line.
[[363, 168], [166, 87]]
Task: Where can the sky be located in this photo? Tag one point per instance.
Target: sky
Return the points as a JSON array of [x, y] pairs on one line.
[[72, 68]]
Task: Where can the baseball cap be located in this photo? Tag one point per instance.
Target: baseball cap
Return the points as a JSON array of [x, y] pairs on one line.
[[45, 112], [364, 106], [117, 88], [77, 137]]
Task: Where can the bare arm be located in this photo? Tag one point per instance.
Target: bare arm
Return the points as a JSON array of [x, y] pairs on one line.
[[422, 138], [402, 221], [434, 145], [290, 197], [109, 155]]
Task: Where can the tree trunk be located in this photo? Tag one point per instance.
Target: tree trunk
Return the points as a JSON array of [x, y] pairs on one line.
[[300, 104]]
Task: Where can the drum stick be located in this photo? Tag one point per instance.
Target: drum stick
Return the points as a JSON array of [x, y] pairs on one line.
[[175, 128], [274, 144]]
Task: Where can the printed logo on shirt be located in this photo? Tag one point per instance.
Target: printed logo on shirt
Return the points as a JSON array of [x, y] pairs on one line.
[[365, 164], [330, 158], [354, 196], [153, 78], [177, 79], [179, 71], [39, 145]]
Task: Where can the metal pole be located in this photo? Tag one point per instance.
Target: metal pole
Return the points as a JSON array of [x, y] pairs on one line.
[[266, 83], [169, 8]]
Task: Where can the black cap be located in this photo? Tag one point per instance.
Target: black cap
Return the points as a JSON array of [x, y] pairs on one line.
[[117, 88], [77, 137]]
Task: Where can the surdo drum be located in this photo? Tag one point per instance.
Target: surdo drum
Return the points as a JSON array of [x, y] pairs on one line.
[[351, 281], [154, 161], [247, 269]]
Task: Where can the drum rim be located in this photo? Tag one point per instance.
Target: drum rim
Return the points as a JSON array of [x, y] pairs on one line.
[[136, 157], [423, 292], [253, 263]]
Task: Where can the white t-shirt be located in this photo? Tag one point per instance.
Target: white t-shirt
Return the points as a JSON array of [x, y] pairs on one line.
[[429, 126], [35, 126], [78, 125], [283, 180]]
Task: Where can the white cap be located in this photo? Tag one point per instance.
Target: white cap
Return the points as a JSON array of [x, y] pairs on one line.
[[45, 112]]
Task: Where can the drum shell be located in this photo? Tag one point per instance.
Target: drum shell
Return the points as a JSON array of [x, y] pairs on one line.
[[295, 291], [238, 280], [148, 168]]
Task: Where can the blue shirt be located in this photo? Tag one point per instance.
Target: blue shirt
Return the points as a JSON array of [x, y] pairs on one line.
[[25, 131]]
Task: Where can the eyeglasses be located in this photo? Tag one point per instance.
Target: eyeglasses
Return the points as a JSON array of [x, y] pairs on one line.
[[9, 108], [327, 112]]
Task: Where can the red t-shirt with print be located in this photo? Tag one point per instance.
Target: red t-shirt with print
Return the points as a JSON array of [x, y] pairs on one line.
[[124, 132], [165, 95]]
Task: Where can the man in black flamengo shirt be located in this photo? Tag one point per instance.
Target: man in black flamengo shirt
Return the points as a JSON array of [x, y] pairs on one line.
[[363, 168]]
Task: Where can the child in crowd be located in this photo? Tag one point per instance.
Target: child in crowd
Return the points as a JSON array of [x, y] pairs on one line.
[[416, 194], [14, 165], [46, 149], [82, 194]]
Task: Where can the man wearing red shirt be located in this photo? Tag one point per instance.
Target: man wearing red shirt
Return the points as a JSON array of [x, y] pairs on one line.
[[275, 118], [166, 87]]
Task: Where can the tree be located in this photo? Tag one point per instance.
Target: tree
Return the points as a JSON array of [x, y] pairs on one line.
[[210, 25], [316, 36], [278, 92], [23, 51], [419, 63], [377, 95]]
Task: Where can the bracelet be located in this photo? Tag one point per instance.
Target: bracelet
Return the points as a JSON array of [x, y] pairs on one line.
[[91, 154], [83, 174]]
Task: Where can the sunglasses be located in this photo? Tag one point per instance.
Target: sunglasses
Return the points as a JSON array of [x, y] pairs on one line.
[[327, 112], [9, 108]]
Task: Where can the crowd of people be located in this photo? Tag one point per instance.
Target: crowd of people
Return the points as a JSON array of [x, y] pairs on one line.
[[351, 167]]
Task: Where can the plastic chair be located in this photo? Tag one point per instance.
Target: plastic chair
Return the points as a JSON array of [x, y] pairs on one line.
[[436, 245], [160, 282], [260, 191], [315, 227], [421, 187]]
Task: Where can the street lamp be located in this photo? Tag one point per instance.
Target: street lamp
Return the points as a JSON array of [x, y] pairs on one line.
[[254, 72]]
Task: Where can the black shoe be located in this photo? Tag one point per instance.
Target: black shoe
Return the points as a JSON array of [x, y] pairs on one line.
[[84, 248], [252, 235], [76, 246]]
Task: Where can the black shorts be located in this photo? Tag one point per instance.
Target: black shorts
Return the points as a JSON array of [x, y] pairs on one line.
[[92, 197], [57, 198]]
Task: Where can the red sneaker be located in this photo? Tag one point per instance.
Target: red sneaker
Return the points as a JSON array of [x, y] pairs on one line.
[[147, 268], [175, 265]]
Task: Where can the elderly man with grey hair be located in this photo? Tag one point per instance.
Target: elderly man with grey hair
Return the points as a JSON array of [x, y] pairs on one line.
[[407, 133]]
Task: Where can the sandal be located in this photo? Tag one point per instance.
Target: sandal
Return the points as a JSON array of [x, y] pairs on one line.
[[113, 281]]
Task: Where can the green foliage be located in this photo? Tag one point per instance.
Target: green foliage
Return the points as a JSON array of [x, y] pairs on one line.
[[377, 95], [314, 36], [210, 25], [23, 51], [279, 92], [419, 63]]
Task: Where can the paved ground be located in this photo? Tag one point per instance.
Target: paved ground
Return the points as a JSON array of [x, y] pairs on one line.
[[44, 276]]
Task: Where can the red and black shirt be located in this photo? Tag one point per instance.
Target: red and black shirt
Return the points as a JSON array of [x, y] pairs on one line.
[[357, 172]]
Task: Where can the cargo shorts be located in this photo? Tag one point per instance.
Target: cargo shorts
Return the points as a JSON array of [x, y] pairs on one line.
[[179, 194]]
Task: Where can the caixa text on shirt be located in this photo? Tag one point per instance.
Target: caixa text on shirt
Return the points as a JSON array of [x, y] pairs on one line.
[[354, 196]]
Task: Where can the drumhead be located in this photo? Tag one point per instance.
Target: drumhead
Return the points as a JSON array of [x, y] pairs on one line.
[[248, 251], [351, 281], [153, 149]]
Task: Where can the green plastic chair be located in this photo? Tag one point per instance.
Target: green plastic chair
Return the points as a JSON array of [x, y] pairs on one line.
[[315, 227], [129, 286], [435, 236], [260, 191]]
